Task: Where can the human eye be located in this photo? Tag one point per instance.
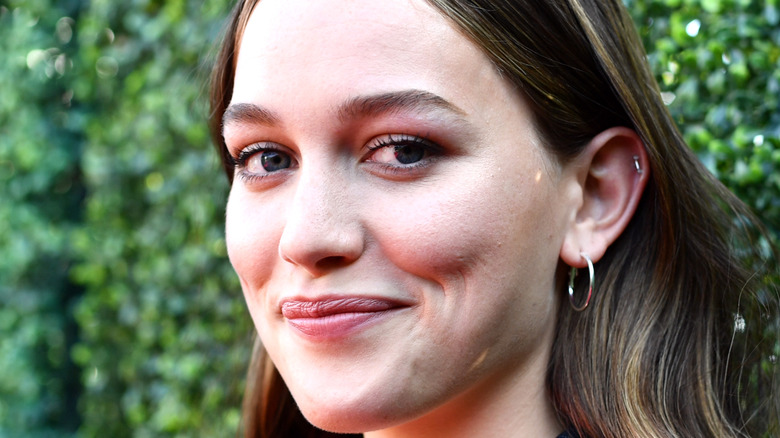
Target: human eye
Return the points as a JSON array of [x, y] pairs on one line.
[[402, 152], [261, 160]]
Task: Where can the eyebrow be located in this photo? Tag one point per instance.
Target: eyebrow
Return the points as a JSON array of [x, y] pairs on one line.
[[354, 108], [393, 102], [249, 113]]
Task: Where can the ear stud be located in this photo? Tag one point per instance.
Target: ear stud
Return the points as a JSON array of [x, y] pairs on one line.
[[636, 164]]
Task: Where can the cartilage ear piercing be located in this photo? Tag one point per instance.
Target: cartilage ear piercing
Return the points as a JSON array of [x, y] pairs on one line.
[[636, 164]]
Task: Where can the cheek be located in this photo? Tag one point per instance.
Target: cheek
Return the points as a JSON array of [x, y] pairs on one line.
[[251, 247], [463, 230], [491, 251]]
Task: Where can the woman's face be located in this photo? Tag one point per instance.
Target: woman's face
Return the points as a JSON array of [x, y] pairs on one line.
[[394, 219]]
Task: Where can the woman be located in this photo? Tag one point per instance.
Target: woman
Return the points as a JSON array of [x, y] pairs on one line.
[[415, 183]]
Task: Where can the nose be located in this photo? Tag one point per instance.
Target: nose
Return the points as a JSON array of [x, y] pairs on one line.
[[322, 231]]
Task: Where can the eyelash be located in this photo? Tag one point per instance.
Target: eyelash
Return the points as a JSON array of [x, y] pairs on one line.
[[246, 153], [398, 139], [239, 161], [394, 139]]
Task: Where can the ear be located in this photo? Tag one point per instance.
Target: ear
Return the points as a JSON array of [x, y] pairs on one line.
[[611, 174]]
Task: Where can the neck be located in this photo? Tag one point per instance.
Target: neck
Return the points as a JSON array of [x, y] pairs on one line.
[[509, 405]]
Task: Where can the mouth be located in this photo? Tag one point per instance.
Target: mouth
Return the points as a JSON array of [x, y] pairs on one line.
[[338, 317]]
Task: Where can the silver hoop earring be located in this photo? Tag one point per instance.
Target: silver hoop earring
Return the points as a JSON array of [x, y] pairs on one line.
[[572, 275]]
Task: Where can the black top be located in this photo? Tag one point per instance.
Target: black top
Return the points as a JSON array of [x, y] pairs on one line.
[[568, 434]]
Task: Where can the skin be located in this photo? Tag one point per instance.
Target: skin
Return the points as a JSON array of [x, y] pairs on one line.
[[468, 239]]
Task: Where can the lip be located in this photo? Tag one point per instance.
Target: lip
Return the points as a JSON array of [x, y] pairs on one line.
[[336, 317]]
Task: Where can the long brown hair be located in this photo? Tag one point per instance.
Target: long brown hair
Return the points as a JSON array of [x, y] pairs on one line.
[[675, 341]]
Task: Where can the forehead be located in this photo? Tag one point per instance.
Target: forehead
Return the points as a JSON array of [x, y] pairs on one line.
[[295, 46], [304, 24]]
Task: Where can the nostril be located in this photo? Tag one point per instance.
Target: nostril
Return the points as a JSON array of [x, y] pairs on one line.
[[332, 262], [319, 237]]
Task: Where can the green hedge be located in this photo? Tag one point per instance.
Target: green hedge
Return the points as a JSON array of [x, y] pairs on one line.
[[718, 62], [119, 313]]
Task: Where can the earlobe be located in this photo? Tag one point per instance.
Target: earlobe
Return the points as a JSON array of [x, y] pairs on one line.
[[612, 173]]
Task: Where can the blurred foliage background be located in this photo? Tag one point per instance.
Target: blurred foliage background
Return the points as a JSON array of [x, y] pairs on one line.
[[119, 313]]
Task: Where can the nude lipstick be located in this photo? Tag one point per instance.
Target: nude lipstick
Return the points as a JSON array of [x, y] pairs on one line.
[[329, 318]]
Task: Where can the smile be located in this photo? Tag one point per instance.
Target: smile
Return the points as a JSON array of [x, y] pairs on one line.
[[332, 318]]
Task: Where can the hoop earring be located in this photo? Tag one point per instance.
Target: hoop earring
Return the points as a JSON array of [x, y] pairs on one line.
[[572, 275]]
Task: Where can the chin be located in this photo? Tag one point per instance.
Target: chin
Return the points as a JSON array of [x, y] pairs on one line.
[[351, 417], [342, 420]]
